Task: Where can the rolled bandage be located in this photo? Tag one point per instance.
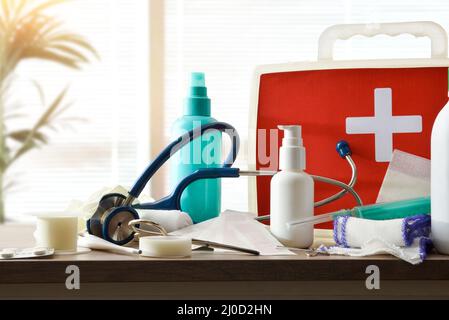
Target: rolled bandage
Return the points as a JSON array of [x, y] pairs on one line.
[[353, 232], [165, 246], [171, 220]]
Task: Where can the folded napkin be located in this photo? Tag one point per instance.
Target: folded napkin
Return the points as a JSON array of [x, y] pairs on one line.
[[407, 238]]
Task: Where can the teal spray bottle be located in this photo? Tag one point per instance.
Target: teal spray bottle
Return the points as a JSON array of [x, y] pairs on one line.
[[202, 199]]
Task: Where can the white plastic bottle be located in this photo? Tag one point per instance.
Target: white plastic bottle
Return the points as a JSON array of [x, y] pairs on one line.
[[291, 192], [439, 181]]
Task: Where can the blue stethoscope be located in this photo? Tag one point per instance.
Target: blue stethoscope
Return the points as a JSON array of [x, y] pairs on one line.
[[114, 212]]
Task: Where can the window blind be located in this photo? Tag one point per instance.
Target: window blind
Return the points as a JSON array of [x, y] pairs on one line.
[[108, 144]]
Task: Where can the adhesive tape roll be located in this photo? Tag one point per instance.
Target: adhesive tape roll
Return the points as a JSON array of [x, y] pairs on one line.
[[165, 246]]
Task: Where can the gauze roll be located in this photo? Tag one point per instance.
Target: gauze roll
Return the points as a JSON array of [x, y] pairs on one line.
[[170, 220], [353, 232], [408, 238]]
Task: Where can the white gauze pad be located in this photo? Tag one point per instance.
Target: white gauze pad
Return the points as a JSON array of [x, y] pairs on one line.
[[407, 177]]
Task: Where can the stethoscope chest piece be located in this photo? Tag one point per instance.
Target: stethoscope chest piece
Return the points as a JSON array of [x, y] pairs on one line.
[[110, 220], [115, 225]]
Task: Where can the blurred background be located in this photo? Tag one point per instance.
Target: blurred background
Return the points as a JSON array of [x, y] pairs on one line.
[[131, 82]]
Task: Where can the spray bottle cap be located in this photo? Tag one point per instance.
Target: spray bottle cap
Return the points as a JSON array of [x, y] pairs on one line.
[[292, 153], [197, 102]]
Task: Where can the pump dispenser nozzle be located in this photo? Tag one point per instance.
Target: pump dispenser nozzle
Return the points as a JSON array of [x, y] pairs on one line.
[[292, 135], [292, 153]]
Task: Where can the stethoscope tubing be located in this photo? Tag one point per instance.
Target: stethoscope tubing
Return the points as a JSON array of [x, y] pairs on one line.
[[176, 145]]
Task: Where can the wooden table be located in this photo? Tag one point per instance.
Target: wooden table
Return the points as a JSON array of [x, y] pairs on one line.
[[214, 276]]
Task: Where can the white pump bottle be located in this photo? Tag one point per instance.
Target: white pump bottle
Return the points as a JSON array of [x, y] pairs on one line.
[[439, 181], [291, 192]]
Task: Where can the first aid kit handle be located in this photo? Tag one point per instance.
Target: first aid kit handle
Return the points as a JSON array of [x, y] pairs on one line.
[[434, 31], [183, 140]]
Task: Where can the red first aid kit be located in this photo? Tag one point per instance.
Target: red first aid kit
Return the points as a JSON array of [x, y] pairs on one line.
[[375, 105]]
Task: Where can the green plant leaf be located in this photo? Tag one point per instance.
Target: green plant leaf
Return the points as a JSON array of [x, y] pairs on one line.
[[31, 141], [49, 28], [24, 149], [22, 135], [39, 9], [19, 7], [3, 25], [9, 186], [32, 33], [69, 51], [40, 91], [74, 39], [14, 110], [47, 115], [45, 54], [3, 161], [5, 8], [62, 109], [10, 116]]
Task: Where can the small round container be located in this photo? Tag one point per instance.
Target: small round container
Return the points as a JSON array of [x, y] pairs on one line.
[[165, 246], [57, 230]]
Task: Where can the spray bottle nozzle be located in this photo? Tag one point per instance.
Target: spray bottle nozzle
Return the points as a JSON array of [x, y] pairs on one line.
[[197, 103], [197, 79]]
